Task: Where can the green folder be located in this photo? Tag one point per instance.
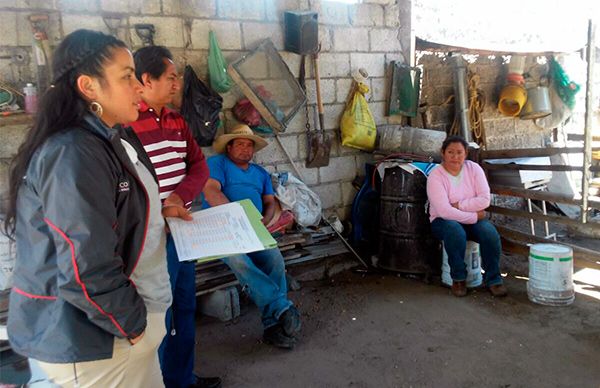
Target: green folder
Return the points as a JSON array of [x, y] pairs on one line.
[[255, 219]]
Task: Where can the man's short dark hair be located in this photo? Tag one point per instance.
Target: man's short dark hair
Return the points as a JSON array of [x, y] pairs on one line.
[[151, 60]]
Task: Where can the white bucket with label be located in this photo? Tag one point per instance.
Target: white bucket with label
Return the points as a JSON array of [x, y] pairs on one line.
[[473, 263], [551, 275]]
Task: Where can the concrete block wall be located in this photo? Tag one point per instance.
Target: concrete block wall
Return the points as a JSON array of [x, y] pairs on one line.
[[438, 85], [352, 36]]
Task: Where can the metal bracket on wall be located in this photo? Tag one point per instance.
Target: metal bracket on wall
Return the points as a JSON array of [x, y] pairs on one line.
[[146, 33]]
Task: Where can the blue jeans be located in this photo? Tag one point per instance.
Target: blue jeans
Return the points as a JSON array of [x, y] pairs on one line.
[[176, 352], [455, 236], [262, 275]]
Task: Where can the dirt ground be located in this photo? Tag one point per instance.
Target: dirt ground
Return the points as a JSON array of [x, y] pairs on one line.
[[383, 330]]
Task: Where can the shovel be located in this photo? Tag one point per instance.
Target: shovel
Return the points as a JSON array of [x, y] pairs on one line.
[[319, 143]]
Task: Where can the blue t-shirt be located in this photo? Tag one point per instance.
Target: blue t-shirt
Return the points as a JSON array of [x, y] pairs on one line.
[[237, 183]]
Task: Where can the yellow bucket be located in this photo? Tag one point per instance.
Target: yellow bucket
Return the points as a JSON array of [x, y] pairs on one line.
[[512, 99]]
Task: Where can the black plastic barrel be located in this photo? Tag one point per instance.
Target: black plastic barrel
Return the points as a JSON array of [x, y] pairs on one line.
[[405, 240]]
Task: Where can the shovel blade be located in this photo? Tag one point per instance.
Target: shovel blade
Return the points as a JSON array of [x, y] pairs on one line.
[[319, 148]]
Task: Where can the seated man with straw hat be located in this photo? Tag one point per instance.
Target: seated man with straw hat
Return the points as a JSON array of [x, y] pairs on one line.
[[234, 177]]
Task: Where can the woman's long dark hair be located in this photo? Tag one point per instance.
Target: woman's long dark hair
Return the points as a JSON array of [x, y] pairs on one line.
[[61, 106]]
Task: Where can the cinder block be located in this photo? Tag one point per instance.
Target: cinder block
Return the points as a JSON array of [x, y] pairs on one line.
[[361, 160], [385, 40], [169, 30], [8, 28], [221, 304], [196, 58], [137, 7], [330, 194], [273, 153], [187, 8], [380, 89], [228, 34], [247, 10], [310, 176], [373, 63], [35, 4], [334, 65], [344, 213], [366, 15], [341, 168], [440, 76], [292, 60], [382, 2], [72, 22], [344, 151], [332, 12], [348, 193], [298, 123], [232, 97], [332, 115], [350, 39], [327, 91], [325, 38], [343, 87], [254, 33], [12, 137], [78, 5], [392, 15], [379, 112], [274, 8]]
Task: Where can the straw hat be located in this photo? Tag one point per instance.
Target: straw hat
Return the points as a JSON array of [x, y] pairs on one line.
[[240, 131]]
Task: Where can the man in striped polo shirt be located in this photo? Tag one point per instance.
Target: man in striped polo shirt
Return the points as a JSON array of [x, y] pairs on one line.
[[182, 172]]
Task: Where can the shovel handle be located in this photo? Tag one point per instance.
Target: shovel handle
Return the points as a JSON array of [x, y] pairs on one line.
[[318, 88]]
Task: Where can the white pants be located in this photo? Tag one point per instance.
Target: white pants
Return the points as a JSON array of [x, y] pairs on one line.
[[131, 366]]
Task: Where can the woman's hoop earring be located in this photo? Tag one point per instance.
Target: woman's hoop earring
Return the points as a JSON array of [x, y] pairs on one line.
[[96, 108]]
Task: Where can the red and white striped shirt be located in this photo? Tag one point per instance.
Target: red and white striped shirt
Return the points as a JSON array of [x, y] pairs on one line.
[[178, 161]]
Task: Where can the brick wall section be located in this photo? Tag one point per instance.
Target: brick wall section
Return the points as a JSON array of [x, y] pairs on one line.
[[438, 84], [352, 36]]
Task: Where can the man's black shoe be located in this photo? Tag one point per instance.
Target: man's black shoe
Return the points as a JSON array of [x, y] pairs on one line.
[[206, 382], [275, 336], [290, 321]]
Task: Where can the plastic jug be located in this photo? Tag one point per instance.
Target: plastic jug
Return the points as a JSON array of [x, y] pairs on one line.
[[30, 98]]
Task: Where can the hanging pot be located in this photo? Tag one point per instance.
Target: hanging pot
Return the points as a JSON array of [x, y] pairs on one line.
[[538, 103]]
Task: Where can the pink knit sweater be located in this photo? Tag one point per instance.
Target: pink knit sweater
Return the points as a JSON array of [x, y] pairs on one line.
[[470, 190]]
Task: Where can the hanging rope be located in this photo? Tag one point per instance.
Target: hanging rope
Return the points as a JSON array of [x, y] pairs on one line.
[[477, 102]]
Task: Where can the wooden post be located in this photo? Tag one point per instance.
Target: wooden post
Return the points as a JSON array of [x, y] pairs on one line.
[[587, 141], [583, 257], [530, 152]]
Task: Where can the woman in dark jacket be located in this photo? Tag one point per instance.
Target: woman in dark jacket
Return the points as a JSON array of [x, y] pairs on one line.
[[80, 213]]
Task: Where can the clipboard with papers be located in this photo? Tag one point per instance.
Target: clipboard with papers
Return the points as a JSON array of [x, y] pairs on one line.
[[220, 231]]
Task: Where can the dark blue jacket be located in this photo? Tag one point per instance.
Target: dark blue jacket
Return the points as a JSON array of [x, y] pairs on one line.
[[80, 228]]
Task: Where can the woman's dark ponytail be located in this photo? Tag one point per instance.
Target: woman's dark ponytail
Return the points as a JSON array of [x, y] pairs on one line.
[[61, 106]]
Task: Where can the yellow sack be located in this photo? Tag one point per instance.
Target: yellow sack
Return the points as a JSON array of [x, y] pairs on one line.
[[357, 125]]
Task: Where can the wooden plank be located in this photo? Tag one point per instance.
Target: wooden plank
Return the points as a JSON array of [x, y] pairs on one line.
[[529, 167], [591, 226], [425, 45], [593, 202], [529, 152], [582, 257]]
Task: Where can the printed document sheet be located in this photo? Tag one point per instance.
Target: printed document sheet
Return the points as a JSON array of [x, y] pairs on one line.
[[215, 232]]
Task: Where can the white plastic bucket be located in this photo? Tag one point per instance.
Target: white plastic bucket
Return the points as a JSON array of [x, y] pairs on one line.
[[473, 263], [551, 275]]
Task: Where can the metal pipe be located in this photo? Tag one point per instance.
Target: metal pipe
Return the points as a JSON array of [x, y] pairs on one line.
[[461, 96], [531, 221], [587, 141]]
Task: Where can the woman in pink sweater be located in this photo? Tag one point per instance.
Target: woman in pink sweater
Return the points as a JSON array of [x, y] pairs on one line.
[[458, 195]]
